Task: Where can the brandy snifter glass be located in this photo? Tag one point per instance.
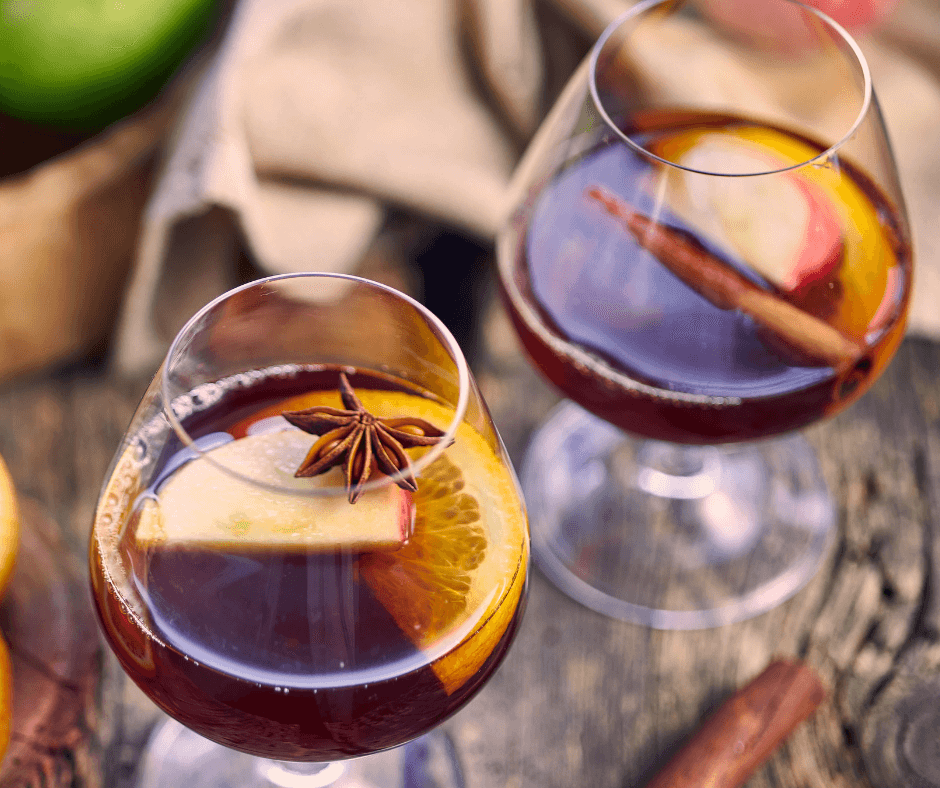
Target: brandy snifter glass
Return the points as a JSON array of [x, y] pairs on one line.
[[706, 250], [289, 620]]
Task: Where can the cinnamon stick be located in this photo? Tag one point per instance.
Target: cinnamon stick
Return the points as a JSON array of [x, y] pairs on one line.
[[729, 747], [811, 341]]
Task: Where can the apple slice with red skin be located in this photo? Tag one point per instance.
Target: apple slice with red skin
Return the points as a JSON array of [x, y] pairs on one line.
[[819, 251], [781, 224]]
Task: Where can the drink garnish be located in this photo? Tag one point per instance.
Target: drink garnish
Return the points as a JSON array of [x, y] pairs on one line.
[[264, 508], [807, 339], [461, 551], [798, 242], [736, 739], [360, 442]]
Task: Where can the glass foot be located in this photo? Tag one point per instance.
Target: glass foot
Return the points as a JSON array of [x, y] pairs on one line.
[[673, 537], [175, 756]]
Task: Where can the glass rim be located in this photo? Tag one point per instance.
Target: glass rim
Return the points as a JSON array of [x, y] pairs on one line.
[[417, 465], [646, 5]]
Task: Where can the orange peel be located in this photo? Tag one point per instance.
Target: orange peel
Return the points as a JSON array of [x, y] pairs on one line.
[[9, 546], [6, 697], [9, 526], [456, 585]]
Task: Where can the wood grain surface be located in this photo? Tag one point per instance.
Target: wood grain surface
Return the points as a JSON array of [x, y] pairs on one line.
[[584, 700], [56, 659]]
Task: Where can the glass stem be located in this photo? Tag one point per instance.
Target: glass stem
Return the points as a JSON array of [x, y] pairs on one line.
[[678, 472], [290, 774]]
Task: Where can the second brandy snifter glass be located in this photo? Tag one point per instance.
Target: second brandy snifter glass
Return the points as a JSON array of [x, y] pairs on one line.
[[707, 247], [310, 545]]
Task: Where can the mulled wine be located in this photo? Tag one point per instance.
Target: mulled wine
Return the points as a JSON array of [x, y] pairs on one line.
[[660, 354], [242, 617]]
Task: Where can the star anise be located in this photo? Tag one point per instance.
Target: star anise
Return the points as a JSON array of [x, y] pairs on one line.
[[360, 441]]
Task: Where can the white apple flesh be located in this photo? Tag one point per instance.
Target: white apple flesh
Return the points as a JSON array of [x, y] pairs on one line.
[[780, 224], [203, 505]]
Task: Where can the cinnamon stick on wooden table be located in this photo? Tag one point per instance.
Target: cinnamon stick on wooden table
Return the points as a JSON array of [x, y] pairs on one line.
[[810, 340], [733, 742]]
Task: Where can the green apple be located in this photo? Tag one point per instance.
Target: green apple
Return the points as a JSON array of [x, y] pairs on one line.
[[83, 64]]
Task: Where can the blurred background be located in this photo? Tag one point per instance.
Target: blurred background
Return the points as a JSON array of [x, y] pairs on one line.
[[154, 154]]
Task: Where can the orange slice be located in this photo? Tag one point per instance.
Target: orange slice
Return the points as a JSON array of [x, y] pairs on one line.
[[9, 526], [451, 573], [426, 585], [9, 544], [456, 585], [812, 224], [6, 697]]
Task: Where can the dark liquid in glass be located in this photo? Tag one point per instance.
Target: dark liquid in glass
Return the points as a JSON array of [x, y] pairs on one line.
[[279, 653], [621, 335]]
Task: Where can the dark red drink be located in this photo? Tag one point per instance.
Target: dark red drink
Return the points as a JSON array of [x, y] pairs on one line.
[[311, 654], [619, 333]]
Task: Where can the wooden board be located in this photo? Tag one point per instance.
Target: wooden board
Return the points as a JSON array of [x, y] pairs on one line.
[[48, 622], [584, 700]]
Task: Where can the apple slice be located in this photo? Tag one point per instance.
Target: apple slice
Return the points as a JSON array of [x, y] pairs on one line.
[[203, 505], [781, 225]]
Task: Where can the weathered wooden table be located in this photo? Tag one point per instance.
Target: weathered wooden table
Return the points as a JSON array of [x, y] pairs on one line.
[[584, 700]]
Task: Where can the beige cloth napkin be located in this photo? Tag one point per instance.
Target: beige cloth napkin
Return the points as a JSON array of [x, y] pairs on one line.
[[315, 115]]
